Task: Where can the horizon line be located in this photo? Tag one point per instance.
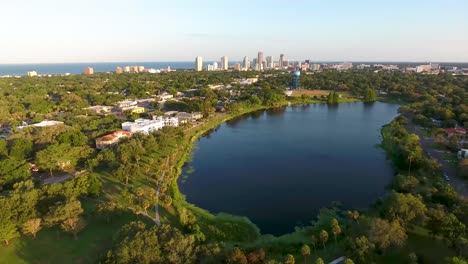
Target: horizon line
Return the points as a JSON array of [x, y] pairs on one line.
[[185, 61]]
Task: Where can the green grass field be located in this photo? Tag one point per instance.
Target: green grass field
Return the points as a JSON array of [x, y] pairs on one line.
[[54, 246]]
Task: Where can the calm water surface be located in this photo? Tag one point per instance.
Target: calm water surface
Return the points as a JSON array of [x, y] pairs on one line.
[[279, 167]]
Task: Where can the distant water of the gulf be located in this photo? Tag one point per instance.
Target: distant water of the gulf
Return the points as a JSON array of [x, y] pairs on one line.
[[77, 68]]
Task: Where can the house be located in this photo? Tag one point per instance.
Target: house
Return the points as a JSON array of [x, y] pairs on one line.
[[184, 117], [108, 141], [99, 109], [133, 109], [126, 103], [455, 131], [165, 96]]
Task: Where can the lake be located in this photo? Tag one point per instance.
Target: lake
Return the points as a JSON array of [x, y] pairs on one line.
[[278, 167]]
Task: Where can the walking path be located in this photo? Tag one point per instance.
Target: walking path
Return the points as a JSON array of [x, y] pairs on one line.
[[459, 184]]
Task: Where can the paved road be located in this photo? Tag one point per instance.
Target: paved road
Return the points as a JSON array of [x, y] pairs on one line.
[[460, 185]]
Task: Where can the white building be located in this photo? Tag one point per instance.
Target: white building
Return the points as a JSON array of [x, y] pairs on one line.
[[126, 103], [167, 120], [144, 126], [45, 123], [224, 63], [32, 73], [165, 96], [198, 63], [215, 66]]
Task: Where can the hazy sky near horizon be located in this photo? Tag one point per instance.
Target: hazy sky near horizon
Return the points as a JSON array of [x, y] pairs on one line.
[[50, 31]]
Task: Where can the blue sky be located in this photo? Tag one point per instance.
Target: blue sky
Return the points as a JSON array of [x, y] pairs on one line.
[[142, 30]]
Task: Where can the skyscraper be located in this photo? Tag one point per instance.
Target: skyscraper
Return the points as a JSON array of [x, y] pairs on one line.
[[198, 63], [224, 63], [215, 66], [237, 67], [281, 61], [260, 59], [246, 63], [270, 63]]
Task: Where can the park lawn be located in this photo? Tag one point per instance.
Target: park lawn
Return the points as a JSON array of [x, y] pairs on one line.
[[297, 93], [428, 249], [48, 247]]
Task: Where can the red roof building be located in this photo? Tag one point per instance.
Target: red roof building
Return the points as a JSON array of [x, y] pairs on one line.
[[108, 141], [452, 131]]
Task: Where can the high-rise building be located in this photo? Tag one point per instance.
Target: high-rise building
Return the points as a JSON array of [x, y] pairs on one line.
[[88, 70], [260, 57], [264, 65], [141, 68], [126, 69], [270, 63], [224, 63], [237, 67], [118, 70], [246, 63], [209, 67], [198, 63], [281, 61], [215, 66]]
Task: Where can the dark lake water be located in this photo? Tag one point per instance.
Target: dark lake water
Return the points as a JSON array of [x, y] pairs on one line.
[[278, 167]]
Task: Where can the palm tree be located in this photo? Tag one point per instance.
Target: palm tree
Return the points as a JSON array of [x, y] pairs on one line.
[[314, 241], [289, 259], [410, 158], [336, 229], [305, 251], [324, 237]]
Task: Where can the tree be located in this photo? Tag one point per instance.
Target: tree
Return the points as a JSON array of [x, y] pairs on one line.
[[319, 261], [21, 148], [332, 98], [314, 241], [8, 230], [60, 157], [370, 95], [289, 259], [32, 226], [405, 208], [452, 229], [73, 225], [61, 212], [13, 170], [237, 257], [457, 260], [361, 248], [336, 229], [74, 138], [385, 234], [257, 256], [305, 251], [324, 237], [3, 147]]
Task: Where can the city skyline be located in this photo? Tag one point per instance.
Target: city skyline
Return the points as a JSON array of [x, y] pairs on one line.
[[87, 31]]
